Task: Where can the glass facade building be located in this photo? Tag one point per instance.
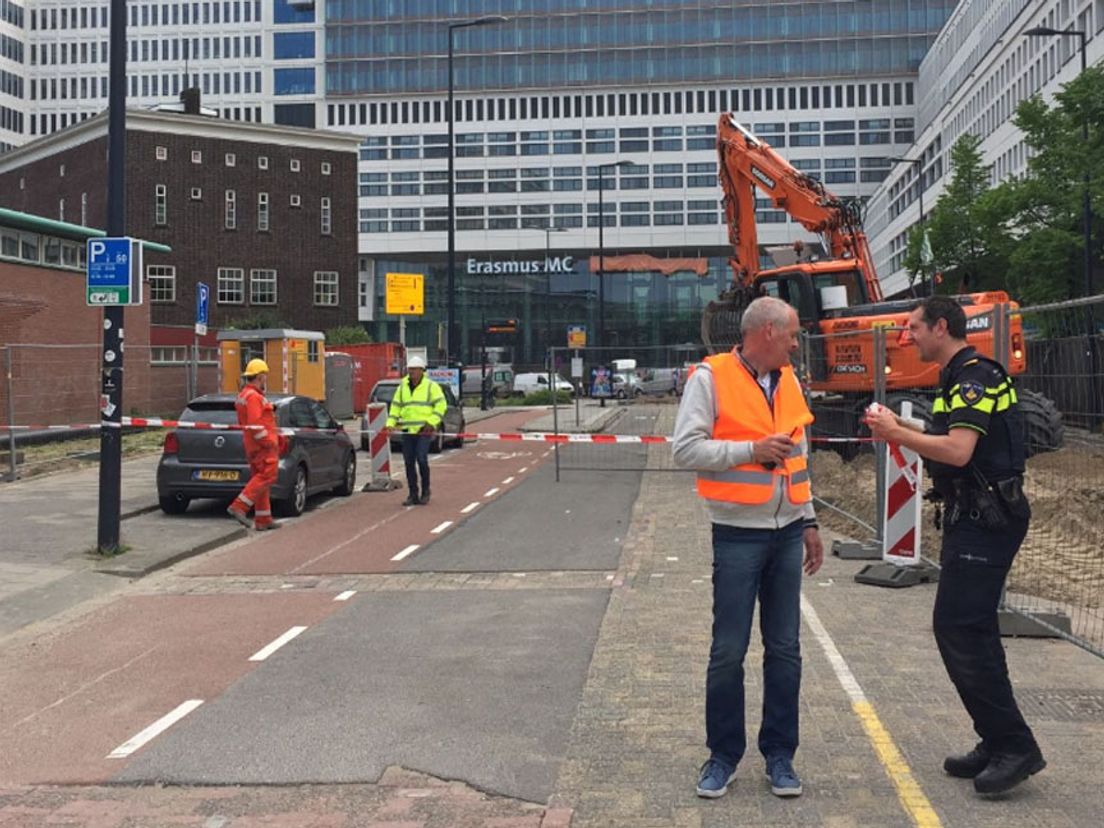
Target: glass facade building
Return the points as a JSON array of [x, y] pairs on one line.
[[398, 47]]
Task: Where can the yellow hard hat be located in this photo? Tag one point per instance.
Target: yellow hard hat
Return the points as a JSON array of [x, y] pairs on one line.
[[255, 366]]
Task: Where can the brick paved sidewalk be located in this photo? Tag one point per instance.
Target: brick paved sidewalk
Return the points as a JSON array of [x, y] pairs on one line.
[[638, 739]]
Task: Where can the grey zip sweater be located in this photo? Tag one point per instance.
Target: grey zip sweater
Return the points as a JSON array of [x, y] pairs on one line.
[[695, 448]]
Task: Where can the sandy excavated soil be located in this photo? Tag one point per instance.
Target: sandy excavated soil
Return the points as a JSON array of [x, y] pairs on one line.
[[1062, 559]]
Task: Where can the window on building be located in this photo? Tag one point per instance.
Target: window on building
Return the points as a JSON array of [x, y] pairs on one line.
[[327, 218], [262, 287], [262, 211], [197, 194], [296, 200], [262, 162], [231, 286], [161, 153], [231, 159], [197, 156], [160, 205], [162, 283], [230, 221], [294, 165], [326, 168], [325, 287]]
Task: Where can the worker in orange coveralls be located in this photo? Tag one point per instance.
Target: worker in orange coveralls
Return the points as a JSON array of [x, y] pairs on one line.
[[262, 449]]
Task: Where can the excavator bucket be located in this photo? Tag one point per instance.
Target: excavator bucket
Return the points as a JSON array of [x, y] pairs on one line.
[[720, 323]]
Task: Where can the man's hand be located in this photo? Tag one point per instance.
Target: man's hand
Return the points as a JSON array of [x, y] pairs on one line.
[[773, 449], [814, 551], [427, 431]]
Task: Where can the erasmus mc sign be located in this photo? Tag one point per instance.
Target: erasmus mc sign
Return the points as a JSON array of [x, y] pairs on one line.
[[559, 264]]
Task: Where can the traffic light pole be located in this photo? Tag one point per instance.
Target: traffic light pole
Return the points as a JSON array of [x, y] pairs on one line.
[[111, 375]]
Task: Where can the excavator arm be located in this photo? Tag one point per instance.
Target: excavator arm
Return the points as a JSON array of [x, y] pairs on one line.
[[748, 164]]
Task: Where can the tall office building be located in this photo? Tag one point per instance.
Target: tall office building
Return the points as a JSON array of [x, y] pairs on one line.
[[546, 102], [561, 89], [980, 68]]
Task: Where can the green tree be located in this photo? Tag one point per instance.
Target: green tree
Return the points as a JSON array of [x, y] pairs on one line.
[[258, 320], [347, 335], [1043, 210], [964, 228]]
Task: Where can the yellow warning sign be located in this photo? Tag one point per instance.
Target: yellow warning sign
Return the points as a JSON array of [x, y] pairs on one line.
[[406, 294]]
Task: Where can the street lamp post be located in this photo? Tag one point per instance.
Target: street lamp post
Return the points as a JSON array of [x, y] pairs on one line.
[[548, 231], [1086, 209], [918, 165], [451, 330], [602, 248]]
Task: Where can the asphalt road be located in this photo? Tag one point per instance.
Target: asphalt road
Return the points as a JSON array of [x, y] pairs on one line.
[[388, 636]]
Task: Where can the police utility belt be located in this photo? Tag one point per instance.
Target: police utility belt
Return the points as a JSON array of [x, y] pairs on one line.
[[991, 504]]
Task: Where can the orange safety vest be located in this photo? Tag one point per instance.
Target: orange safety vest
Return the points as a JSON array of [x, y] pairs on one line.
[[255, 410], [743, 414]]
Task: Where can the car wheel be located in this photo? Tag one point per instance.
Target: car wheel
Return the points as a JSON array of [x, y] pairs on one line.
[[297, 502], [173, 504], [460, 440], [348, 482]]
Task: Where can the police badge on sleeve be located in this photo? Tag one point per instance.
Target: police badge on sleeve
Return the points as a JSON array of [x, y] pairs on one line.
[[972, 392]]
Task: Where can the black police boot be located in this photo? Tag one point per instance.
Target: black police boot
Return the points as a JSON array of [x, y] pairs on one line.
[[425, 498], [967, 765], [411, 500], [1007, 770]]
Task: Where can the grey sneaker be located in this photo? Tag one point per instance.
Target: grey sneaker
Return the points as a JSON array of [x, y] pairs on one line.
[[783, 778], [714, 778]]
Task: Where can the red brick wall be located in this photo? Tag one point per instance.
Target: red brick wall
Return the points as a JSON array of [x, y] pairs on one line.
[[57, 385]]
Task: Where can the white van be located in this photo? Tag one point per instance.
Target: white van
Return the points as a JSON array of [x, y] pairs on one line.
[[528, 383]]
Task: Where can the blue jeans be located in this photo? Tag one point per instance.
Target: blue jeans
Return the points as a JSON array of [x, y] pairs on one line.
[[415, 450], [748, 563]]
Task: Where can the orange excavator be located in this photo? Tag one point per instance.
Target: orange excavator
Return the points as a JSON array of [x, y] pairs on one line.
[[839, 298]]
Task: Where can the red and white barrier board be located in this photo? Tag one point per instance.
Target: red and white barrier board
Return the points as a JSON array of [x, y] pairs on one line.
[[901, 513]]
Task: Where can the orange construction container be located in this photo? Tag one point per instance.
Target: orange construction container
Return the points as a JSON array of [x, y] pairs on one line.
[[372, 362]]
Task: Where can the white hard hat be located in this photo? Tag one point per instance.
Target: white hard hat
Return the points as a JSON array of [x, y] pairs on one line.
[[416, 362]]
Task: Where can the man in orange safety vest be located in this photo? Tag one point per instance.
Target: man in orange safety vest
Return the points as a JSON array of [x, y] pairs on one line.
[[741, 426], [262, 449]]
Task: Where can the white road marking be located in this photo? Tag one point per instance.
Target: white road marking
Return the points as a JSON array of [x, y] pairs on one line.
[[672, 557], [491, 492], [657, 574], [405, 552], [523, 471], [346, 595], [471, 507], [507, 481], [160, 726], [441, 527], [265, 652]]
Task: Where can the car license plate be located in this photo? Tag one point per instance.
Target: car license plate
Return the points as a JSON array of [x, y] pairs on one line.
[[220, 475]]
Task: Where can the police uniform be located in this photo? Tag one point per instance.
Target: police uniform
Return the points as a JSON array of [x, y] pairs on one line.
[[985, 521]]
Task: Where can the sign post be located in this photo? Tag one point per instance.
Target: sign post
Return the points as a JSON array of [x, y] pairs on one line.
[[111, 374], [203, 304], [405, 297]]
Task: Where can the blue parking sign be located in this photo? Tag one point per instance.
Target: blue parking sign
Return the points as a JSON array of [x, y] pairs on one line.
[[114, 274], [203, 297]]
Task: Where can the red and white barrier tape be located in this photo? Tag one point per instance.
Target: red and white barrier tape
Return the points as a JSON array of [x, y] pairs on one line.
[[534, 436]]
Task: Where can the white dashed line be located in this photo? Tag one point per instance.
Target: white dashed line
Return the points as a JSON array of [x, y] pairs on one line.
[[436, 530], [471, 507], [523, 471], [491, 492], [672, 557], [160, 726], [410, 549], [346, 595], [265, 652], [507, 481]]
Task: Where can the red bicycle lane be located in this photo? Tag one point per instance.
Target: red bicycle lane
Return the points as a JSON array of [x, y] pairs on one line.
[[365, 534]]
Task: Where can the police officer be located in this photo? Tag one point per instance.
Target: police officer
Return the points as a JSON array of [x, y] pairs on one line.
[[976, 458]]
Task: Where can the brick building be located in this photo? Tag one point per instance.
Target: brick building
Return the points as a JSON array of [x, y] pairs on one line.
[[265, 215], [52, 337]]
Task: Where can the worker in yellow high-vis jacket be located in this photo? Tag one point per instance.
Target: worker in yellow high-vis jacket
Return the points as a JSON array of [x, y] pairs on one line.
[[417, 410]]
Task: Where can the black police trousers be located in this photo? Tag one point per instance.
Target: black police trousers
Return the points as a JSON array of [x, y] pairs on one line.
[[975, 563]]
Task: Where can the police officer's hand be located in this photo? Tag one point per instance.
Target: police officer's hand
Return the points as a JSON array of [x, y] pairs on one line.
[[814, 551], [883, 424], [773, 449]]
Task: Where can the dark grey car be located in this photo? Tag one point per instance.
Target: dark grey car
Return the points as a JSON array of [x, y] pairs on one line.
[[453, 423], [209, 463]]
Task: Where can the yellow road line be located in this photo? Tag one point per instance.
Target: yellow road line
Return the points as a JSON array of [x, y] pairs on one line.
[[912, 798]]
